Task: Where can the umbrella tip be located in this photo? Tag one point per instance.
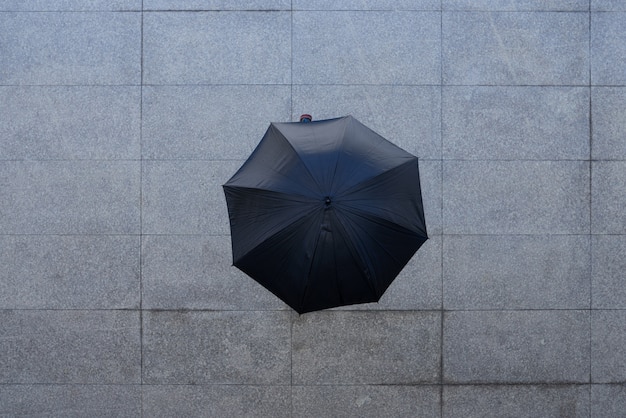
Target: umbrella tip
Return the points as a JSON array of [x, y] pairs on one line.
[[306, 118]]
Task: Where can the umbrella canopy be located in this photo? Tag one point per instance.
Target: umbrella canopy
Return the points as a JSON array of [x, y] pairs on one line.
[[326, 213]]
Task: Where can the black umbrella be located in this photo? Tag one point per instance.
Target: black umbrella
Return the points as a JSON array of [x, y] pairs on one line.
[[326, 213]]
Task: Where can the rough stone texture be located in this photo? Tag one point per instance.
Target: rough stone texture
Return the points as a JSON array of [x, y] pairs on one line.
[[608, 400], [69, 272], [516, 347], [609, 271], [608, 5], [70, 48], [71, 401], [216, 401], [532, 123], [517, 5], [69, 5], [69, 122], [186, 197], [609, 123], [366, 348], [216, 347], [195, 272], [408, 116], [608, 358], [366, 401], [366, 5], [516, 197], [608, 199], [366, 47], [520, 401], [216, 48], [515, 48], [81, 346], [608, 48], [69, 197], [516, 272], [209, 122]]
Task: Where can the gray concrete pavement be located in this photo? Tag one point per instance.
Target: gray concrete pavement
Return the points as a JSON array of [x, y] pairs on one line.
[[120, 120]]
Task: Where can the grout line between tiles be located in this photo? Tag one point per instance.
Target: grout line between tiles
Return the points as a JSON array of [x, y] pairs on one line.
[[442, 324]]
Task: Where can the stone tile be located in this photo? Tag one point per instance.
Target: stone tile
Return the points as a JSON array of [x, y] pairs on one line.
[[88, 347], [186, 197], [69, 197], [69, 272], [98, 401], [217, 48], [367, 5], [608, 271], [608, 358], [536, 123], [417, 287], [515, 48], [408, 116], [516, 197], [527, 401], [216, 4], [216, 401], [69, 5], [516, 272], [69, 122], [70, 48], [393, 347], [517, 5], [430, 182], [216, 347], [608, 5], [516, 347], [609, 123], [608, 48], [608, 400], [366, 401], [608, 200], [353, 47], [209, 122], [196, 272]]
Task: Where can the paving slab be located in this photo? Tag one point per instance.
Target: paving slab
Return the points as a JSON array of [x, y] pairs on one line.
[[609, 123], [196, 272], [608, 5], [608, 48], [517, 5], [516, 272], [516, 347], [186, 197], [608, 271], [69, 5], [608, 400], [236, 347], [70, 48], [391, 347], [69, 272], [608, 359], [69, 122], [357, 47], [216, 4], [520, 401], [521, 48], [366, 5], [408, 116], [71, 401], [431, 186], [516, 197], [608, 200], [366, 401], [217, 48], [526, 123], [69, 197], [216, 401], [209, 122], [77, 346]]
